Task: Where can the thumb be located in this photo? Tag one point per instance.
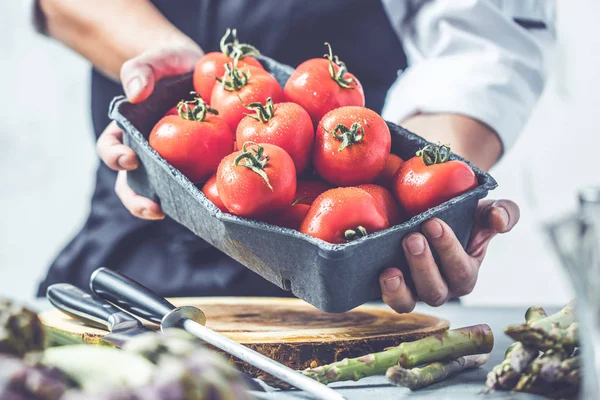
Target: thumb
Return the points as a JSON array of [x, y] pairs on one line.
[[493, 217], [140, 74]]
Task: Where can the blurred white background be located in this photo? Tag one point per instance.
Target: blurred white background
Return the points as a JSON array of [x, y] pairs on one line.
[[47, 158]]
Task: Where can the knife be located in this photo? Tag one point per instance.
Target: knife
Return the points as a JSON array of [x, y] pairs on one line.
[[96, 312], [141, 301], [99, 313]]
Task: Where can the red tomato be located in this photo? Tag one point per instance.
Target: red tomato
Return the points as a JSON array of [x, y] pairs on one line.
[[210, 191], [249, 84], [385, 200], [194, 142], [320, 85], [212, 65], [292, 217], [344, 214], [257, 181], [351, 146], [392, 165], [235, 148], [308, 191], [286, 125], [429, 179]]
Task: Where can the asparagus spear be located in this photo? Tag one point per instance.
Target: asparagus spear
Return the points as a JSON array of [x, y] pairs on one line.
[[452, 344], [552, 375], [558, 331], [506, 374], [530, 377], [556, 370], [534, 313], [417, 378]]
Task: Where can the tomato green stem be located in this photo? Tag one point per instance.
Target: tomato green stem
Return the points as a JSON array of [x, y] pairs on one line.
[[342, 70], [356, 233], [235, 49], [348, 136], [198, 112], [263, 112], [434, 154], [254, 159], [234, 79]]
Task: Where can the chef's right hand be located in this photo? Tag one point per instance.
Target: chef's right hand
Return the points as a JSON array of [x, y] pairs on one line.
[[138, 77]]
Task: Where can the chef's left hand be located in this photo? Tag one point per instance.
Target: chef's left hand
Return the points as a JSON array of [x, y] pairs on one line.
[[457, 273]]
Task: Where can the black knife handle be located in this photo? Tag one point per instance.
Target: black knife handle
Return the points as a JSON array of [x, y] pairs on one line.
[[129, 295], [87, 308]]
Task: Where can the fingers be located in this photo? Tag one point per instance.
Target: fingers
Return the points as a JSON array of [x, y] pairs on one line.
[[493, 217], [502, 215], [137, 205], [140, 74], [113, 152], [459, 270], [395, 291], [429, 284], [121, 158]]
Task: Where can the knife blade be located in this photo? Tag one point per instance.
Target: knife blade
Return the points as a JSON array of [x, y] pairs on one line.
[[99, 313], [141, 301], [96, 312]]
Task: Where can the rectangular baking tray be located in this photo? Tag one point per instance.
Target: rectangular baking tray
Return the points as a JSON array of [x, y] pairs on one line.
[[333, 278]]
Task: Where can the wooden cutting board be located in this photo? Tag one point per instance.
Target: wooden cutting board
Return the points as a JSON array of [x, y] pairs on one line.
[[290, 331]]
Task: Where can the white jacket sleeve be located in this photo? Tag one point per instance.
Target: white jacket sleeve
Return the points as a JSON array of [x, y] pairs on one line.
[[469, 57]]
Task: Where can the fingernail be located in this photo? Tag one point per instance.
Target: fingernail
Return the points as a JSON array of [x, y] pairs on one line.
[[415, 245], [147, 214], [133, 87], [392, 284], [127, 162], [504, 215], [434, 229]]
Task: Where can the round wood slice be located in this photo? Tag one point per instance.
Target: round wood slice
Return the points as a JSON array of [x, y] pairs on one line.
[[290, 331]]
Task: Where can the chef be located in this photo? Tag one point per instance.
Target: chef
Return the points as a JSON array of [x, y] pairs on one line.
[[463, 72]]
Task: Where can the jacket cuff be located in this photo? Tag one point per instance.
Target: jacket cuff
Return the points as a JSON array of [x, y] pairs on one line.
[[492, 93]]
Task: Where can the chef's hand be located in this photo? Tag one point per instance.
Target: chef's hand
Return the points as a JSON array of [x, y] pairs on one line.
[[138, 77], [457, 272]]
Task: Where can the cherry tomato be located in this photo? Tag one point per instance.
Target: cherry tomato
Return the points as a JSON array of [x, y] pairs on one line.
[[430, 179], [194, 141], [308, 191], [241, 86], [292, 217], [320, 85], [344, 214], [392, 165], [286, 125], [385, 200], [257, 181], [210, 191], [212, 65], [351, 146]]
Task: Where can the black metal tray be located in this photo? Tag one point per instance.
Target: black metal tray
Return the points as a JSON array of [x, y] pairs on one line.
[[333, 278]]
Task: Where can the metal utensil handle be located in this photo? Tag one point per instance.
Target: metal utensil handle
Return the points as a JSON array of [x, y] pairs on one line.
[[262, 362], [129, 295], [142, 302], [86, 307]]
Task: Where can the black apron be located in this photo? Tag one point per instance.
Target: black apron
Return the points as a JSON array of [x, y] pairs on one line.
[[163, 254]]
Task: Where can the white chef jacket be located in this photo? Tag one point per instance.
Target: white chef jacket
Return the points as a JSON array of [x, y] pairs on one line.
[[470, 57]]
